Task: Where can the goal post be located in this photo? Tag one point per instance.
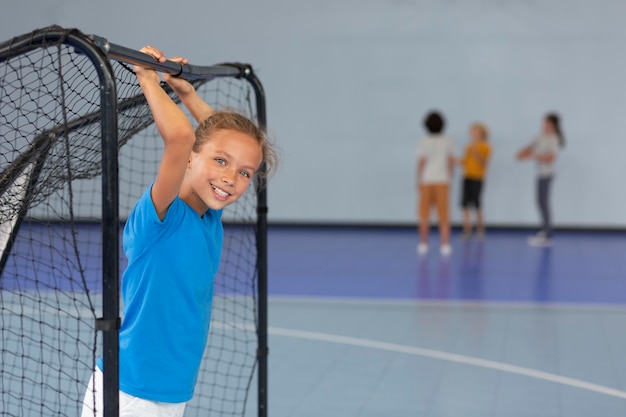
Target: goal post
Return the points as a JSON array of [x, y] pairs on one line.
[[79, 147]]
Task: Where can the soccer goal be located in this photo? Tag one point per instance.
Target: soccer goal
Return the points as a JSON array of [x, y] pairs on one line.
[[78, 148]]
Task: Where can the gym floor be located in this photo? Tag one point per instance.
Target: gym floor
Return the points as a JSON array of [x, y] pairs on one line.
[[360, 325]]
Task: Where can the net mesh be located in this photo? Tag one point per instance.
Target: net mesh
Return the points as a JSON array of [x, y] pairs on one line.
[[51, 233]]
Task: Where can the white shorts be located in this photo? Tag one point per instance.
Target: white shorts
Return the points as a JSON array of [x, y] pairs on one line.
[[130, 406]]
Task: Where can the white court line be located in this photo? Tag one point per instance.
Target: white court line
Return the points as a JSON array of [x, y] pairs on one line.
[[411, 350], [451, 357]]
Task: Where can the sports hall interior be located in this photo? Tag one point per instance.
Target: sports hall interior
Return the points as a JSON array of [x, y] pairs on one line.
[[360, 324]]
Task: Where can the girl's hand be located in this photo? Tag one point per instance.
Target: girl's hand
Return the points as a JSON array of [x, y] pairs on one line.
[[525, 154], [180, 86], [146, 73]]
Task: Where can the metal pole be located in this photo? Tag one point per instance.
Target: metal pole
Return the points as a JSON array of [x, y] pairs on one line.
[[263, 350]]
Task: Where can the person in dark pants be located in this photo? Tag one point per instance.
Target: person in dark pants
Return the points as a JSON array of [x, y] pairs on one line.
[[474, 164], [544, 150]]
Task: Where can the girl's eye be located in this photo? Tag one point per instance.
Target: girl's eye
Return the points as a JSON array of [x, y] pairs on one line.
[[245, 174], [220, 161]]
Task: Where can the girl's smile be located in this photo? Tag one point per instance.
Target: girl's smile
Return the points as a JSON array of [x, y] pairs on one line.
[[226, 163]]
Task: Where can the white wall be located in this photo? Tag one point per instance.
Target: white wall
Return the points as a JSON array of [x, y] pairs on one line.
[[348, 82]]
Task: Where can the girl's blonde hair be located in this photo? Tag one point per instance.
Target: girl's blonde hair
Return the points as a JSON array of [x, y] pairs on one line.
[[230, 120], [482, 128]]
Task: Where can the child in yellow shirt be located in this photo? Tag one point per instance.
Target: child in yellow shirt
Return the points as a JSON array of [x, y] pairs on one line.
[[474, 165]]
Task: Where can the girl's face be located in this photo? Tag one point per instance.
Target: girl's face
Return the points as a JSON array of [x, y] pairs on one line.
[[548, 127], [220, 173], [475, 134]]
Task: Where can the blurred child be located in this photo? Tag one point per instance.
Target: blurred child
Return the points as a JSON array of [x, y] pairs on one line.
[[544, 150], [435, 167], [474, 165]]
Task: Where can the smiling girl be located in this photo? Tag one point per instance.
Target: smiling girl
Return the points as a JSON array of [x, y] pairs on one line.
[[173, 241]]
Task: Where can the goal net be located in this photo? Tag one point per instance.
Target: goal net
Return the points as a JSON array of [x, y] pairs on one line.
[[53, 275]]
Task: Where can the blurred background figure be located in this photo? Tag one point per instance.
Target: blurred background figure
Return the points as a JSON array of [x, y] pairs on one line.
[[474, 165], [544, 150], [435, 166]]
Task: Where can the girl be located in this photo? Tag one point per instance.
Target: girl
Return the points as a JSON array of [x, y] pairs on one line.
[[475, 166], [173, 240], [544, 151]]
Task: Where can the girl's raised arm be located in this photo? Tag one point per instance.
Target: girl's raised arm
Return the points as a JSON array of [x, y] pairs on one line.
[[199, 109], [175, 129]]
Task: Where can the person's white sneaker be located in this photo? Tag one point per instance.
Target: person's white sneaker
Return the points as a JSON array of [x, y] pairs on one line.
[[445, 250], [422, 249], [540, 241]]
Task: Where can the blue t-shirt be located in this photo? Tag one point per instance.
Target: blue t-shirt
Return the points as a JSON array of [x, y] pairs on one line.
[[167, 290]]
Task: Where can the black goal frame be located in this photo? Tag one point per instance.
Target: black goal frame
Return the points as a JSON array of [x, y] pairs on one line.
[[99, 51]]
